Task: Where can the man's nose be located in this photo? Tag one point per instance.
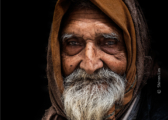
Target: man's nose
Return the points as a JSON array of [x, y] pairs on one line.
[[91, 60]]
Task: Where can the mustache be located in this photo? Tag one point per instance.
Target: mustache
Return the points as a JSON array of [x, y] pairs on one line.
[[102, 75]]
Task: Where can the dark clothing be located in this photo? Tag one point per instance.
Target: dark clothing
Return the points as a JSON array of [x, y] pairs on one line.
[[153, 104]]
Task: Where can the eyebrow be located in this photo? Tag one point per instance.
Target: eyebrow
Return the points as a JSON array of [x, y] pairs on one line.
[[111, 36], [66, 36], [70, 35]]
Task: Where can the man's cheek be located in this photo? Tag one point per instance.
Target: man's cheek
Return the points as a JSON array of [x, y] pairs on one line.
[[65, 64], [116, 63], [69, 64]]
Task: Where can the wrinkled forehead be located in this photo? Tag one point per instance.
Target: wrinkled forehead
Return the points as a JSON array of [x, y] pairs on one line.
[[90, 13], [87, 14]]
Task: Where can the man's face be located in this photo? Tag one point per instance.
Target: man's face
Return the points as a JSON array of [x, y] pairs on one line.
[[91, 41], [93, 61]]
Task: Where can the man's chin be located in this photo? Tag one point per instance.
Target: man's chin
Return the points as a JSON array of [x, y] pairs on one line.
[[88, 104], [91, 102], [86, 99]]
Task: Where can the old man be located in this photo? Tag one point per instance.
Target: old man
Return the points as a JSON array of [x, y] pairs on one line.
[[98, 61]]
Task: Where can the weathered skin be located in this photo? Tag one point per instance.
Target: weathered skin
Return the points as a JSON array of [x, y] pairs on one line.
[[90, 51]]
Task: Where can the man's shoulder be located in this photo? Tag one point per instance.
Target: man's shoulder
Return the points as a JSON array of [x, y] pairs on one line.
[[154, 101]]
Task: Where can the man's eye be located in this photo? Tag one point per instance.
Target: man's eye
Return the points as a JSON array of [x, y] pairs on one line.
[[110, 43], [73, 43], [72, 47]]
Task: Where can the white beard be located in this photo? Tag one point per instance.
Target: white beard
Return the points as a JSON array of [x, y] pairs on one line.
[[90, 97]]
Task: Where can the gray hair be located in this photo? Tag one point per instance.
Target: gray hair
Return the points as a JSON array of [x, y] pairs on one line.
[[90, 97]]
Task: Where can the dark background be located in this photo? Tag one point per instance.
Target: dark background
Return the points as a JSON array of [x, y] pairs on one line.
[[27, 26]]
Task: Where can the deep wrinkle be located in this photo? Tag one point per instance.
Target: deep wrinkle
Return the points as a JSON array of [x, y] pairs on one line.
[[94, 43]]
